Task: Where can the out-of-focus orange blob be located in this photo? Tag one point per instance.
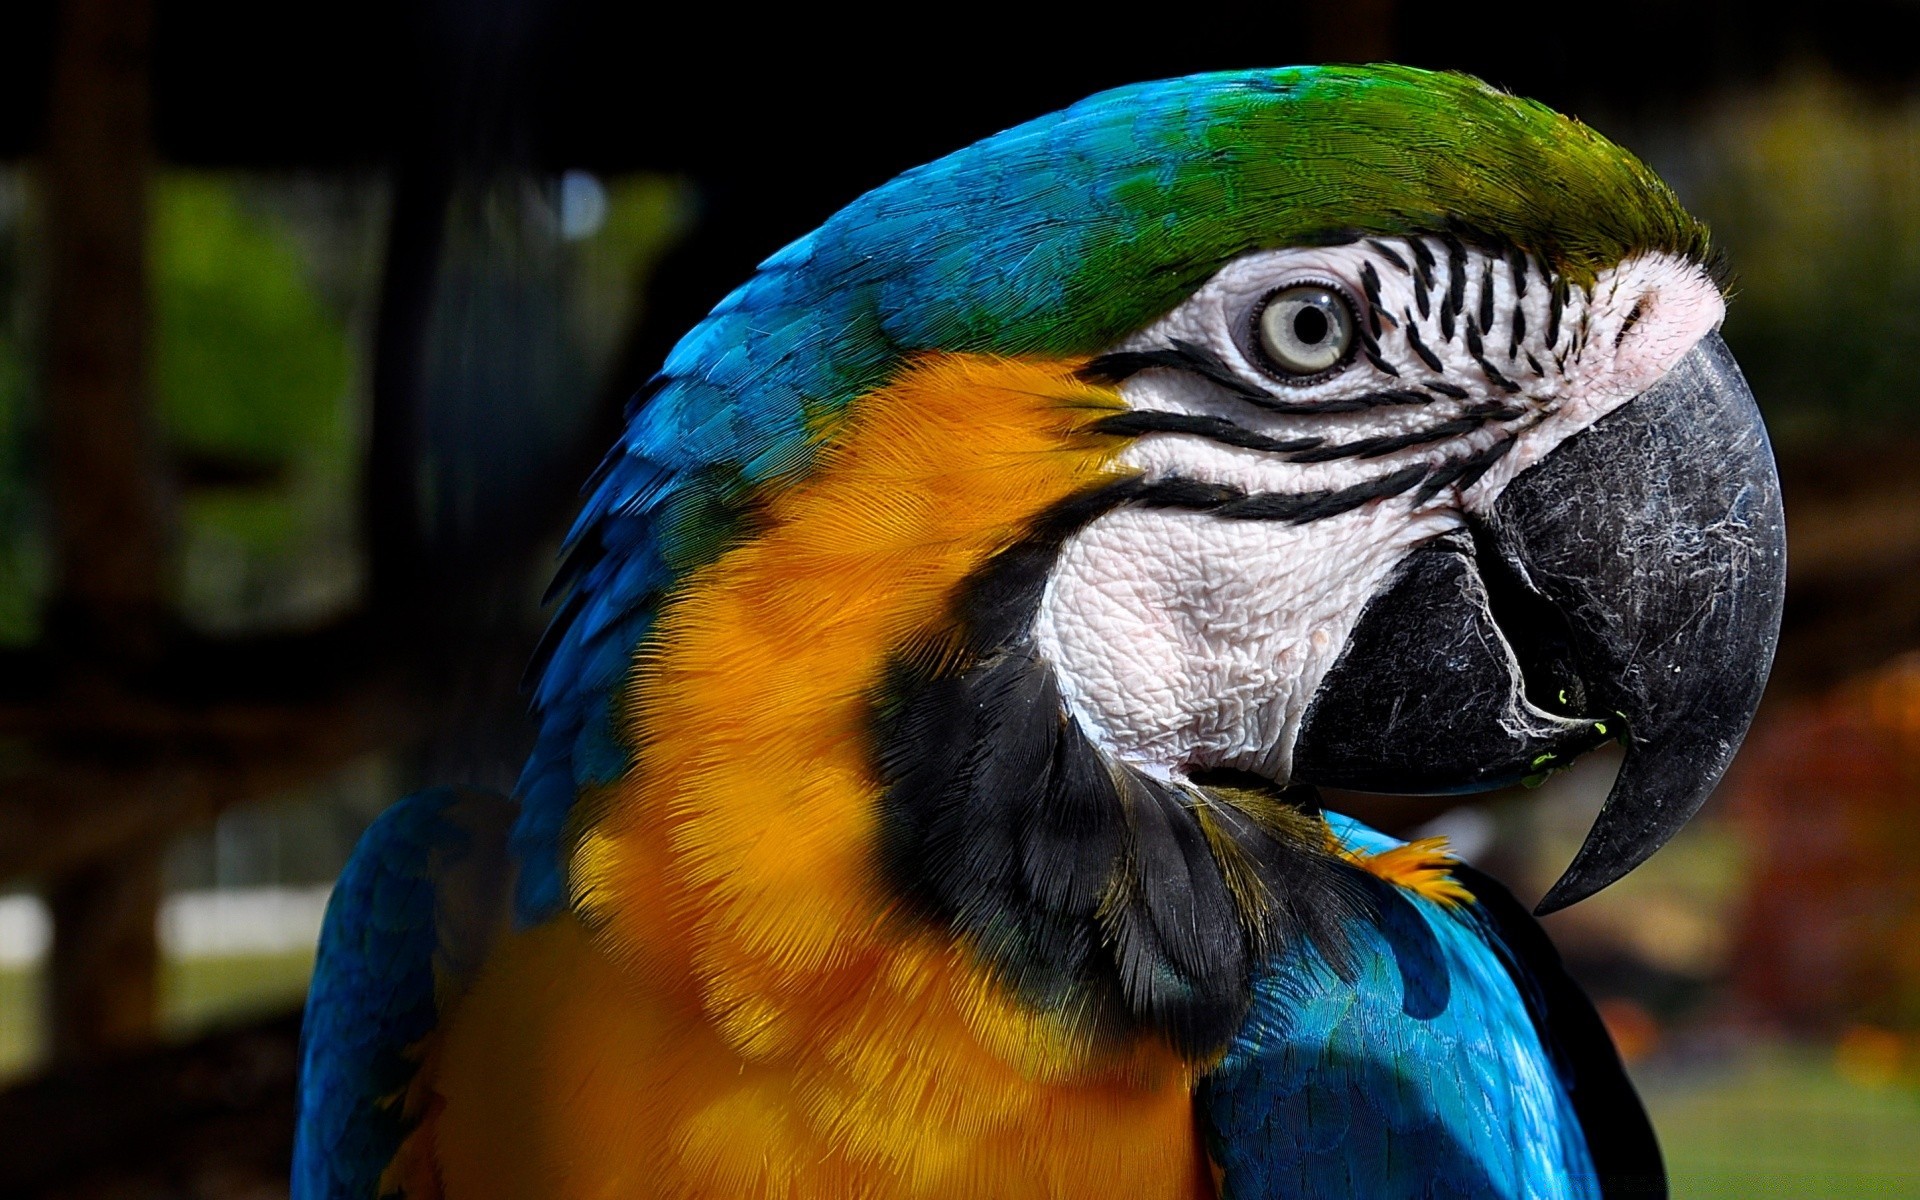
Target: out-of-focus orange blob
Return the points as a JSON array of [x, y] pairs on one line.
[[1636, 1033]]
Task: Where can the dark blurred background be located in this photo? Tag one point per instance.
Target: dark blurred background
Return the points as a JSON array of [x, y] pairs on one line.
[[313, 317]]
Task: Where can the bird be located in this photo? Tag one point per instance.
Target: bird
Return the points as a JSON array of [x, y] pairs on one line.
[[951, 653]]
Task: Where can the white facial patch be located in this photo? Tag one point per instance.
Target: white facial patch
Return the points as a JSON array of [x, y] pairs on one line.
[[1184, 640], [1194, 629]]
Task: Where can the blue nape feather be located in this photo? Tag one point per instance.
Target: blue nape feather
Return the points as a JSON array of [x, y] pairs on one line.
[[1454, 1065]]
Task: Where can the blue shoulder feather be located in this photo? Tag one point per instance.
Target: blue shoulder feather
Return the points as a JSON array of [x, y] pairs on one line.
[[1448, 1065]]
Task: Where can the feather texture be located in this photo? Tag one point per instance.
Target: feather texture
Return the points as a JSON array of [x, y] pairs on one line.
[[407, 927], [1094, 890], [1448, 1068]]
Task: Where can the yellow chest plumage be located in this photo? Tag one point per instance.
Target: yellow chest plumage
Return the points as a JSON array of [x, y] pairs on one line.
[[737, 1008]]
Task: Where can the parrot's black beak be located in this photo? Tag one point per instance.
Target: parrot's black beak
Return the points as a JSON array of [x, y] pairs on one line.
[[1628, 586]]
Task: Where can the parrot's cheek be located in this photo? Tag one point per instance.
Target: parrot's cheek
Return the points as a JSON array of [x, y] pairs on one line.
[[1628, 586]]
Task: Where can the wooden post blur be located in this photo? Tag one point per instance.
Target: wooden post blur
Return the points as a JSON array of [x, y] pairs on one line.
[[103, 978], [105, 480]]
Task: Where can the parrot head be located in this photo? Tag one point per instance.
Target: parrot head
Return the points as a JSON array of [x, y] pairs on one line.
[[1411, 461], [1420, 514]]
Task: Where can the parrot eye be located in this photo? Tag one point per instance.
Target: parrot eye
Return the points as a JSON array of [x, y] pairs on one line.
[[1304, 333]]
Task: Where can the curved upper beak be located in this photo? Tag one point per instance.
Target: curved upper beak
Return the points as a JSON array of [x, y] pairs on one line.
[[1628, 586]]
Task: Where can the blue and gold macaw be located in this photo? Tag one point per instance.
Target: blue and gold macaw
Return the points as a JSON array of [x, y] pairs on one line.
[[951, 644]]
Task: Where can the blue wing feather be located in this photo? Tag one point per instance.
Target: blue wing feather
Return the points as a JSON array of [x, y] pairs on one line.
[[1447, 1066], [407, 923], [1626, 1154]]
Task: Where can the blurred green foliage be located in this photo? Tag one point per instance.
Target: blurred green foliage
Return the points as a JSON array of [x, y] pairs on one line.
[[1780, 1121], [1813, 190], [196, 995], [264, 292], [254, 370], [248, 362], [19, 1019], [22, 562]]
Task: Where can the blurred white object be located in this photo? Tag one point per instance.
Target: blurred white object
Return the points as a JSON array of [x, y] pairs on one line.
[[211, 924], [1468, 829], [583, 205], [217, 924], [26, 931]]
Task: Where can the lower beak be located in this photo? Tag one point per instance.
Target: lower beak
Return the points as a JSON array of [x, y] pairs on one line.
[[1628, 586]]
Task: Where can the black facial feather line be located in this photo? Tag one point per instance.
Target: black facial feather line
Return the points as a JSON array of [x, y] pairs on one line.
[[1456, 276], [1370, 284], [1389, 443], [1463, 473], [1177, 355], [1422, 267], [1477, 351], [1140, 422], [1295, 508], [1370, 349], [1197, 360], [1419, 347], [1632, 318], [1387, 252]]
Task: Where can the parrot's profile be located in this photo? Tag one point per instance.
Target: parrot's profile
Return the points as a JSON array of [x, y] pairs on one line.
[[924, 799]]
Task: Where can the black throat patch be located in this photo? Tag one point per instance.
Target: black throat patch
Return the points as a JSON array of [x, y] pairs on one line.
[[1119, 901]]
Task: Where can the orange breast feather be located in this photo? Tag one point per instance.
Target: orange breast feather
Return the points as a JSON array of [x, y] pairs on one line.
[[738, 1008]]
